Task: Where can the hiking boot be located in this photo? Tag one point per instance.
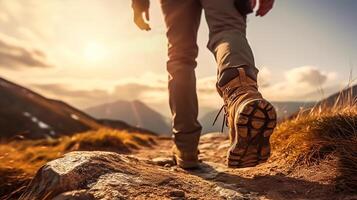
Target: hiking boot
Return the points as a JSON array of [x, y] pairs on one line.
[[185, 160], [251, 120]]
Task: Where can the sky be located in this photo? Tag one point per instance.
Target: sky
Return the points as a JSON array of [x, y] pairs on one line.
[[88, 52]]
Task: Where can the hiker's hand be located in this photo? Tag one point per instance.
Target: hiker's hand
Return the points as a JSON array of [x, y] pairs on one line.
[[264, 6], [141, 8]]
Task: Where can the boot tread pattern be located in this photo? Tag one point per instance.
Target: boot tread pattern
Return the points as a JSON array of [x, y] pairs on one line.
[[254, 126]]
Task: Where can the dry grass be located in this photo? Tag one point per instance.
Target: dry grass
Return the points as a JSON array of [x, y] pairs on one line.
[[19, 160], [318, 135]]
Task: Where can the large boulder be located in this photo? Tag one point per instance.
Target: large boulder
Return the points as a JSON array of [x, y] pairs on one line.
[[85, 175], [80, 175]]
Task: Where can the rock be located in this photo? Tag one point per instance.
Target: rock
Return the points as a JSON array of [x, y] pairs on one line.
[[231, 192], [165, 181], [110, 176], [206, 172], [177, 193], [244, 191], [78, 194], [164, 161], [77, 171]]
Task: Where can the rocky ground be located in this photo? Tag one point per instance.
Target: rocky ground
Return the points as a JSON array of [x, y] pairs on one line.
[[148, 174]]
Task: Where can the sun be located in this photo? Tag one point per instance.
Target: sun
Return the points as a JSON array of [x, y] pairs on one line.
[[94, 52]]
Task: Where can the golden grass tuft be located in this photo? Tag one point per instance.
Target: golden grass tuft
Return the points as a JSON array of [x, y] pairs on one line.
[[19, 160], [318, 135]]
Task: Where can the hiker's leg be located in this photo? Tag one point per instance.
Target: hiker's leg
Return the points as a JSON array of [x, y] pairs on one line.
[[251, 118], [182, 19], [228, 40]]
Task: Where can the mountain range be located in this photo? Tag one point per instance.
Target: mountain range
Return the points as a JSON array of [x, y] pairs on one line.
[[133, 112]]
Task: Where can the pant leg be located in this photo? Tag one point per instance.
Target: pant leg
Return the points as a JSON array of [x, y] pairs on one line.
[[182, 18], [228, 40]]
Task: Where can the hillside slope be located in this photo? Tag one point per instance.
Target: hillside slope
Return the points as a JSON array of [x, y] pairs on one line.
[[132, 112], [24, 112], [348, 95], [29, 115]]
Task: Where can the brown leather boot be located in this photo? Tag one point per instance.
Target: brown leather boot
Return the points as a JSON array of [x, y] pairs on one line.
[[251, 120], [185, 160]]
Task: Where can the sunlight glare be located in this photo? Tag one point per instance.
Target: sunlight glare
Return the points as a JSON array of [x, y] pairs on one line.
[[94, 52]]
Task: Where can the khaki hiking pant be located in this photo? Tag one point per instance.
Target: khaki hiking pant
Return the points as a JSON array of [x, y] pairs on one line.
[[228, 43]]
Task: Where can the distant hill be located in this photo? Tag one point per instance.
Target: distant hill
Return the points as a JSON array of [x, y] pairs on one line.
[[31, 115], [132, 112], [284, 110], [345, 96]]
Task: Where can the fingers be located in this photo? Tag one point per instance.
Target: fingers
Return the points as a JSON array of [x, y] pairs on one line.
[[140, 22], [147, 15], [264, 7]]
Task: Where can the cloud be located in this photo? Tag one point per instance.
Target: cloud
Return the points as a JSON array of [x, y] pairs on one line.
[[14, 55], [66, 91], [89, 97], [307, 74], [264, 77], [299, 84], [207, 85], [132, 91], [77, 97]]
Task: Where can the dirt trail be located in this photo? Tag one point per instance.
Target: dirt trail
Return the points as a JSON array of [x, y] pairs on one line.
[[266, 181], [148, 174]]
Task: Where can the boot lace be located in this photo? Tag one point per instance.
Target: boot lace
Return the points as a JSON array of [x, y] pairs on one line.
[[231, 98], [225, 117]]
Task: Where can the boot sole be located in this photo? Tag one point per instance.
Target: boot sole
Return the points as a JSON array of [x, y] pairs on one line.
[[254, 125], [185, 164]]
